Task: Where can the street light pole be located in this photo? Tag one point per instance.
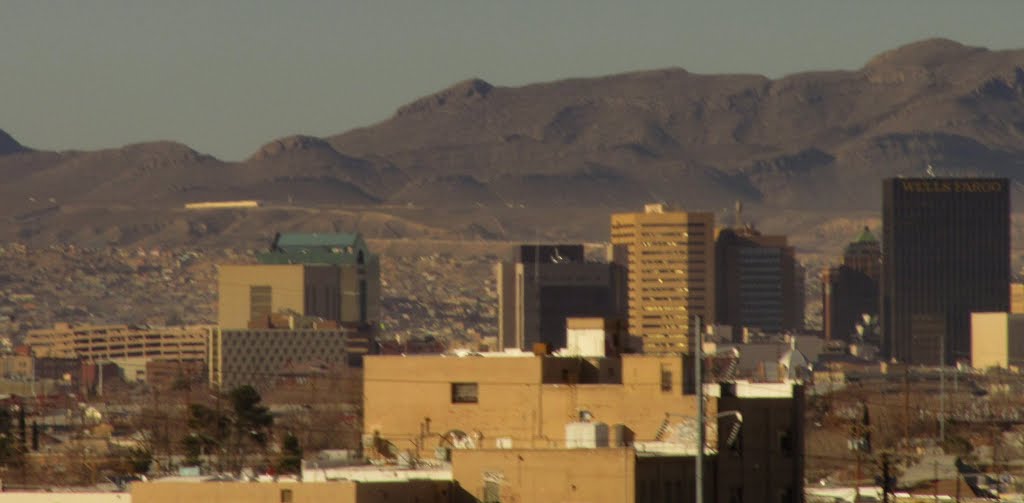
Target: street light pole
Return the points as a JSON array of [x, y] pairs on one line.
[[699, 388]]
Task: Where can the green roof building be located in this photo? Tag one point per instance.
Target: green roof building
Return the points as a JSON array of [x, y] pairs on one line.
[[338, 248], [330, 276]]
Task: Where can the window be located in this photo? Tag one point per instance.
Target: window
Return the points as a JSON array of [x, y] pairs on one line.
[[492, 492], [286, 496], [786, 443], [666, 378], [259, 301], [464, 392]]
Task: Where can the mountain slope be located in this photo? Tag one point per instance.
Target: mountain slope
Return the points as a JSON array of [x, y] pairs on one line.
[[9, 145], [484, 160], [774, 141]]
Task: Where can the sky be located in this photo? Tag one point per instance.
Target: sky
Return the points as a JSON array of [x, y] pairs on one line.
[[225, 77]]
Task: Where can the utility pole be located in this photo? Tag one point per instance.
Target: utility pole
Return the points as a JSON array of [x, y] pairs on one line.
[[699, 388], [942, 391], [886, 480], [906, 404]]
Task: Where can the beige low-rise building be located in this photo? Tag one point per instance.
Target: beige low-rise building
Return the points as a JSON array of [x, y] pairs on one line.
[[523, 427], [997, 340], [611, 475], [518, 400], [344, 491]]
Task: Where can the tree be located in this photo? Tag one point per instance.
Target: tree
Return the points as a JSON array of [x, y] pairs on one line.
[[140, 460], [194, 446], [10, 452], [230, 436], [291, 455], [207, 435], [250, 424]]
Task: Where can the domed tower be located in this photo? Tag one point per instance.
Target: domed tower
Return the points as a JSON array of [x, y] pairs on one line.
[[850, 291]]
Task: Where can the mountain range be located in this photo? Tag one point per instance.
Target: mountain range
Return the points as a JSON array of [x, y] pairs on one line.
[[485, 161]]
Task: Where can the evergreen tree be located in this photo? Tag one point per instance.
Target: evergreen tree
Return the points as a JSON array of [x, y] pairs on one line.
[[291, 455]]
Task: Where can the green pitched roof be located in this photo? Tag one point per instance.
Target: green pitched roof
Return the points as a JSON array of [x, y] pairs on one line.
[[309, 240], [313, 248]]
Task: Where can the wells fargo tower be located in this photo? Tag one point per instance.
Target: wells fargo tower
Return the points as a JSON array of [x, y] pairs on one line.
[[669, 257], [945, 254]]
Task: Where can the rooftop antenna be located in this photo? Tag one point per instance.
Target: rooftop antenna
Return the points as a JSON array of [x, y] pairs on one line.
[[739, 214], [930, 171]]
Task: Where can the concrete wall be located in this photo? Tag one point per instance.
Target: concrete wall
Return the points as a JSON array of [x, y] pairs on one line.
[[234, 281], [549, 475], [518, 398]]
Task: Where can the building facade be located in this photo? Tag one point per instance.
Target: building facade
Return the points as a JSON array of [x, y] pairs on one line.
[[758, 282], [331, 276], [946, 254], [851, 290], [266, 357], [509, 424], [670, 262], [606, 475], [340, 491], [545, 285], [130, 347], [761, 457], [997, 340], [1017, 298], [519, 401]]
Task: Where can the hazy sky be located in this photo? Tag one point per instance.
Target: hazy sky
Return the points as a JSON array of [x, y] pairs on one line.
[[225, 77]]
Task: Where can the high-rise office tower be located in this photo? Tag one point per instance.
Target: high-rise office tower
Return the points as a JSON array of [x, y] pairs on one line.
[[670, 261], [945, 254], [758, 282], [850, 291], [544, 285]]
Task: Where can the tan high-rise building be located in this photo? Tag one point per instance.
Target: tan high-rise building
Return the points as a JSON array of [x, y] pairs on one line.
[[670, 263]]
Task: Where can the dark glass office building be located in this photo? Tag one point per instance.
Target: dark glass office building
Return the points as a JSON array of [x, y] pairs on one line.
[[945, 254], [545, 284]]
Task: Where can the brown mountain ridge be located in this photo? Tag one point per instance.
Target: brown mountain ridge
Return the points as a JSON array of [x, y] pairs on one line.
[[809, 141]]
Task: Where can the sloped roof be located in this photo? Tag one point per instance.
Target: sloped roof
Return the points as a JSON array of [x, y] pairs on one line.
[[338, 248]]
